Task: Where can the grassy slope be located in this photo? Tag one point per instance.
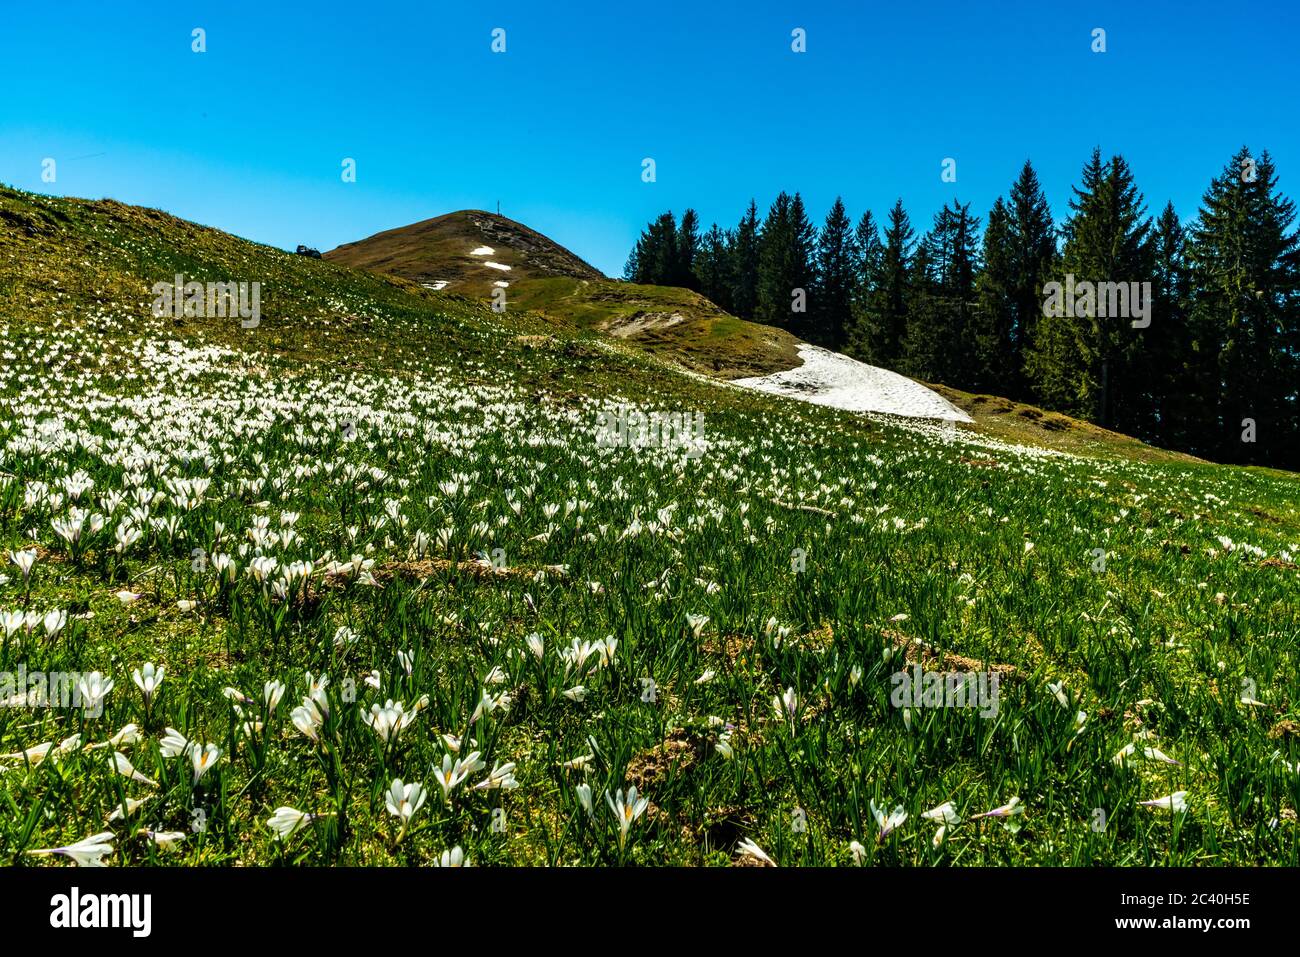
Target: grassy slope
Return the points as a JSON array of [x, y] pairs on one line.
[[990, 553], [1030, 425], [675, 324]]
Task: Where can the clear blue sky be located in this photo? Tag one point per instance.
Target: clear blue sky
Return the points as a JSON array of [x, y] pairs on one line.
[[249, 136]]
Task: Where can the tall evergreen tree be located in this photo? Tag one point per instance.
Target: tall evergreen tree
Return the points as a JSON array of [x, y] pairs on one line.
[[654, 259], [1181, 373], [922, 344], [1087, 363], [938, 341], [1246, 295], [870, 253], [744, 264], [712, 268], [1032, 237], [883, 317], [996, 365], [785, 264], [837, 267], [687, 247]]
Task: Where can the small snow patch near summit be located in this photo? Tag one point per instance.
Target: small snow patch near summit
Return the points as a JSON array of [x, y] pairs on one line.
[[497, 266], [482, 251], [828, 378]]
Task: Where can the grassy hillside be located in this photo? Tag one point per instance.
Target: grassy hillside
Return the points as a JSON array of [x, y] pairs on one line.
[[384, 518], [678, 325]]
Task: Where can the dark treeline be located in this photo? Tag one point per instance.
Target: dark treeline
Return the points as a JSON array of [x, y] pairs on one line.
[[1212, 368]]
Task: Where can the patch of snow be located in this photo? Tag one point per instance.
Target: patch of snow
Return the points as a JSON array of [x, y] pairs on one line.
[[440, 284], [828, 378], [502, 283], [482, 251], [497, 266]]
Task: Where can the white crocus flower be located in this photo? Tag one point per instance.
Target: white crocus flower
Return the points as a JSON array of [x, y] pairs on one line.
[[132, 805], [122, 764], [945, 814], [53, 622], [452, 774], [453, 858], [502, 776], [88, 852], [166, 840], [94, 688], [286, 822], [626, 810], [128, 737], [24, 560], [786, 705], [1058, 691], [307, 719], [1176, 802], [403, 800], [238, 697], [748, 848], [173, 744], [388, 720], [11, 622], [272, 692], [1010, 809], [204, 758], [887, 822], [148, 678]]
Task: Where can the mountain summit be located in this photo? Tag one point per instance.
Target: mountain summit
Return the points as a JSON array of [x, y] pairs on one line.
[[468, 252]]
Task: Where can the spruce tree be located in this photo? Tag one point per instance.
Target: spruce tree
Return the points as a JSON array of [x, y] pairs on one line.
[[996, 365], [922, 344], [937, 345], [870, 256], [712, 268], [773, 305], [1032, 237], [837, 266], [1182, 372], [883, 318], [1087, 363], [744, 265], [1245, 277], [785, 265], [687, 247], [870, 252], [654, 258]]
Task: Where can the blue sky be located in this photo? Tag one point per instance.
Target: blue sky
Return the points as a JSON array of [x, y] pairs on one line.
[[249, 136]]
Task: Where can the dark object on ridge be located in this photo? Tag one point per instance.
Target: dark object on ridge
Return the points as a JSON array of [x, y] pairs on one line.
[[308, 251]]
